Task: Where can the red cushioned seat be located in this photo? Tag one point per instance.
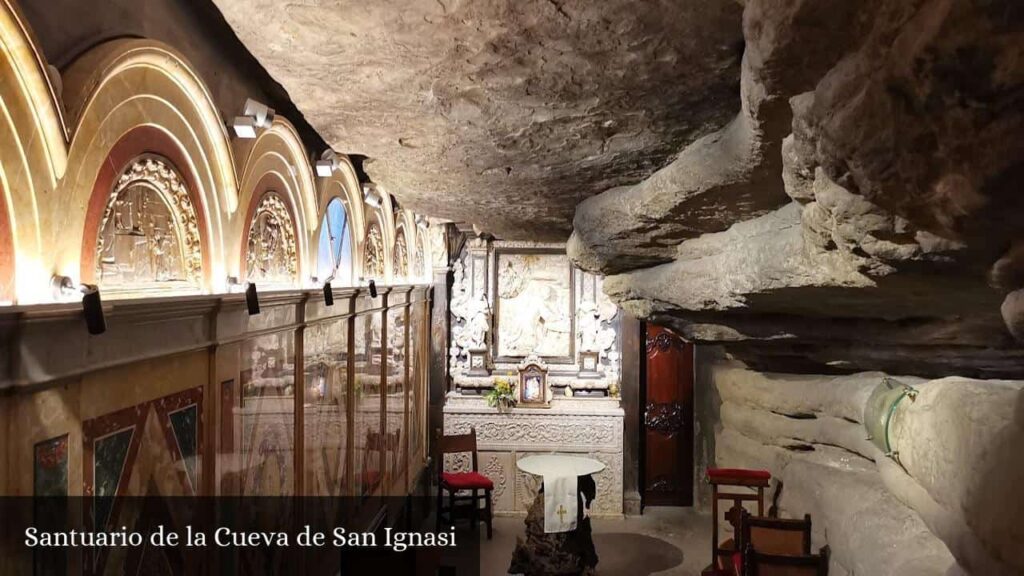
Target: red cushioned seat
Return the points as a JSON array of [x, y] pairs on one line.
[[720, 473], [467, 481]]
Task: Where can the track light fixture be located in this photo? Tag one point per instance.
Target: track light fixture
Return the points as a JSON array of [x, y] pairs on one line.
[[373, 289], [252, 299], [371, 195], [64, 288], [422, 222], [255, 115], [92, 307], [328, 292], [327, 164]]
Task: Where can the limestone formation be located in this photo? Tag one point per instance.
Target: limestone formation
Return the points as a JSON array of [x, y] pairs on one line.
[[950, 483], [504, 114], [899, 145]]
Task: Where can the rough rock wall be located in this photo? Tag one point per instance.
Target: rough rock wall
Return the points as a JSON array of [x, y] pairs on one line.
[[862, 210], [949, 505]]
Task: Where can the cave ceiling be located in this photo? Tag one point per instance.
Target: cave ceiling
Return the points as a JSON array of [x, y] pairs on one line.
[[502, 113]]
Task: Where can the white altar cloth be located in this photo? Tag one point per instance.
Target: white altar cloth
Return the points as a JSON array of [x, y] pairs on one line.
[[561, 492]]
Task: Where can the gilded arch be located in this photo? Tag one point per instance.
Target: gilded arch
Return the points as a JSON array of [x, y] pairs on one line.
[[33, 157], [117, 91], [343, 185], [277, 162]]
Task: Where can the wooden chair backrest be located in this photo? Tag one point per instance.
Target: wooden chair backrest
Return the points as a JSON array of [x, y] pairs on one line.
[[760, 564], [458, 443], [777, 535]]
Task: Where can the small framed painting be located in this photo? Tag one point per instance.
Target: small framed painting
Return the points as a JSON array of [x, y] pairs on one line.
[[533, 384]]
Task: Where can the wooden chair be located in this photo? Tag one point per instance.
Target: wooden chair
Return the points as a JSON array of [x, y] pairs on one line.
[[722, 554], [456, 484], [784, 536], [762, 564]]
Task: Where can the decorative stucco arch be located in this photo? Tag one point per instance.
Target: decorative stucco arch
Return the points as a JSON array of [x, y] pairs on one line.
[[277, 161], [343, 184], [112, 93], [384, 218], [33, 157]]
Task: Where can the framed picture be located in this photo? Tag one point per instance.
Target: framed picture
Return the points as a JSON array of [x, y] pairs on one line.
[[589, 365], [533, 383]]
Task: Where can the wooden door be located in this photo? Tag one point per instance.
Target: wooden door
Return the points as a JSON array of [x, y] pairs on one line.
[[667, 419]]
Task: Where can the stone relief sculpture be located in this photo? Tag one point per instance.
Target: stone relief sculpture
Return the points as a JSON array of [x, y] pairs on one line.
[[595, 329], [373, 258], [471, 316], [438, 246], [400, 262], [534, 305], [149, 232], [418, 260], [271, 252]]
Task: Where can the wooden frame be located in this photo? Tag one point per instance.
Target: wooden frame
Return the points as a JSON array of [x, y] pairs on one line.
[[533, 380], [496, 303]]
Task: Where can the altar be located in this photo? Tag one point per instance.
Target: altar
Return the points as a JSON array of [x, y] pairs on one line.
[[534, 361], [590, 427]]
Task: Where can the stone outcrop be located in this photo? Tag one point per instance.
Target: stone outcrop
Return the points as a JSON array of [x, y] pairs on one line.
[[945, 501], [879, 227], [504, 114]]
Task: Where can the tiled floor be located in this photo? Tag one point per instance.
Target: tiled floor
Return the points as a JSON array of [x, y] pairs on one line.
[[664, 541]]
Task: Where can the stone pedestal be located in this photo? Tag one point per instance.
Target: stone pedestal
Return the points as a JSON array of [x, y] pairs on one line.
[[590, 427]]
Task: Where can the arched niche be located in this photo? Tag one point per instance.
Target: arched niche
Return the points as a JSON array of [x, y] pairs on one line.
[[343, 187], [380, 224], [143, 230], [146, 238], [130, 97], [376, 257], [400, 268], [33, 157], [335, 247], [277, 161], [7, 272], [270, 243]]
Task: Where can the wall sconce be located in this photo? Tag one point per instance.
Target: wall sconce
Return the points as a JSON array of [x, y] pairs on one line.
[[371, 196], [327, 164], [254, 115], [252, 299]]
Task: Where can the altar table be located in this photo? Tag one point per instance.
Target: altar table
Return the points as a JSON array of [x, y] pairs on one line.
[[573, 552]]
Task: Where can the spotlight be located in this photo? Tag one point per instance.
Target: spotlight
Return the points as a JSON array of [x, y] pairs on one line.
[[252, 299], [371, 195], [254, 115], [327, 164], [328, 294], [373, 289], [62, 287], [422, 222], [92, 307]]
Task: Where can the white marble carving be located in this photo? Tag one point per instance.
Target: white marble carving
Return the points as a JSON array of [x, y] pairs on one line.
[[534, 305], [587, 427], [471, 318]]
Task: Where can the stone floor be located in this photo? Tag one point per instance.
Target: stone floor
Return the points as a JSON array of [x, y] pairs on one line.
[[664, 541]]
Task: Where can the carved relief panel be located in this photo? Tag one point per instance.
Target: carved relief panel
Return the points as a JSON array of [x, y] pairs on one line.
[[373, 252], [534, 305], [149, 233], [271, 253], [400, 260]]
